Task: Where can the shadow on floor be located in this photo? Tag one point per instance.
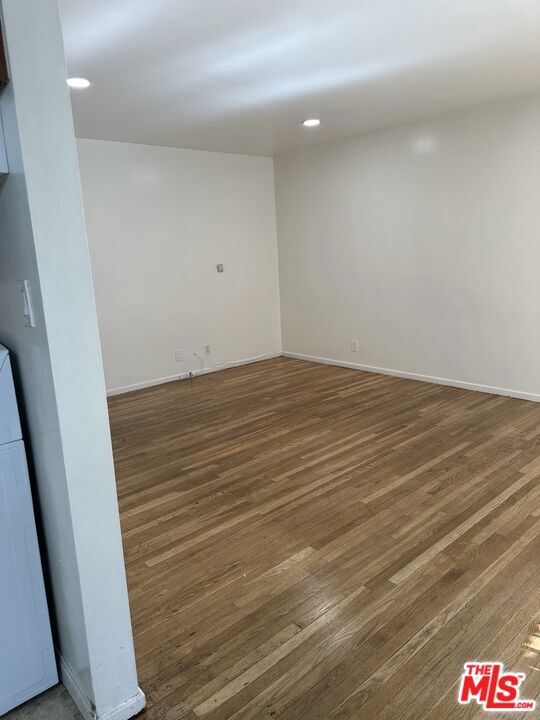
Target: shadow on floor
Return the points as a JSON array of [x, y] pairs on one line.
[[55, 704]]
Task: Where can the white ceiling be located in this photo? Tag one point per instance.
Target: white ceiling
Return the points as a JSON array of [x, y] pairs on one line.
[[240, 75]]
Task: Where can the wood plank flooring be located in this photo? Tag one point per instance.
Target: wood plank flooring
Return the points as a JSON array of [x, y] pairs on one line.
[[310, 542]]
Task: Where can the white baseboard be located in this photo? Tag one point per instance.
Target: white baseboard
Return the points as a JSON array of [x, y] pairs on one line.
[[127, 709], [186, 375], [71, 682], [124, 711], [417, 376]]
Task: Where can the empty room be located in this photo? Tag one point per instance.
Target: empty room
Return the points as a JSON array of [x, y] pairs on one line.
[[284, 263]]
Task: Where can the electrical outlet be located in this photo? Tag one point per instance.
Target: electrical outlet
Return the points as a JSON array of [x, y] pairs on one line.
[[178, 355], [207, 350], [354, 346]]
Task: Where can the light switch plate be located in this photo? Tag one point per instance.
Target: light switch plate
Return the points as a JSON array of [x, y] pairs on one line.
[[28, 308]]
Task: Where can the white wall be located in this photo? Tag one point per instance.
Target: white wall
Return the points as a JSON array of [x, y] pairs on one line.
[[58, 364], [159, 220], [423, 243]]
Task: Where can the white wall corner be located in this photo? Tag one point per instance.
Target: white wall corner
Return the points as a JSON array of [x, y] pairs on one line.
[[124, 711], [127, 709]]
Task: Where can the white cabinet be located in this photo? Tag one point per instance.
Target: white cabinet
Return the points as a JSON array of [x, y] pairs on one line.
[[4, 169], [27, 662]]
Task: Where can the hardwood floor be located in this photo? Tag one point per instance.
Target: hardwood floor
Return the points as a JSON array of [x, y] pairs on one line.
[[306, 541]]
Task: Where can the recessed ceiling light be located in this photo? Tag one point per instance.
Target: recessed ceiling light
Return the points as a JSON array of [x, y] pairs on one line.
[[425, 144], [312, 122], [78, 83]]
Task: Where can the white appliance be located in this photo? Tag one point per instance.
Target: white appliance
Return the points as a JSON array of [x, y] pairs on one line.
[[27, 662]]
